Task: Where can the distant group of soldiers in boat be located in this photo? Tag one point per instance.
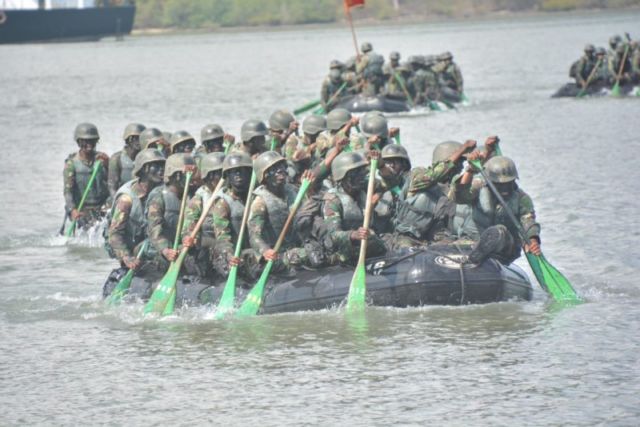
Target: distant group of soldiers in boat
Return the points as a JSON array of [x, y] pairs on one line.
[[599, 67], [418, 80], [140, 190]]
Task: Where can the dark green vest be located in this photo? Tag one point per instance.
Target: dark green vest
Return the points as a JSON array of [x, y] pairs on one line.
[[236, 211], [417, 214], [126, 167], [136, 225], [98, 192], [171, 211], [277, 212]]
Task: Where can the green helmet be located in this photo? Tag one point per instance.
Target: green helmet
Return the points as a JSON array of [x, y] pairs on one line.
[[394, 56], [430, 60], [501, 169], [150, 136], [416, 60], [375, 125], [314, 124], [177, 163], [395, 151], [601, 51], [210, 132], [252, 128], [614, 40], [210, 163], [264, 162], [337, 118], [148, 155], [336, 64], [346, 162], [133, 129], [589, 48], [280, 120], [86, 131], [444, 56], [179, 137], [444, 150], [167, 136], [366, 47], [237, 159]]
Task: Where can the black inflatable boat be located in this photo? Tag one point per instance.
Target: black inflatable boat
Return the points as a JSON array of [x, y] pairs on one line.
[[432, 276], [571, 90], [361, 104]]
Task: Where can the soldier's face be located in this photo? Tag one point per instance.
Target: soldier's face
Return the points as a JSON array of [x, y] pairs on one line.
[[155, 172], [276, 176], [88, 146], [392, 167], [505, 188], [185, 147], [214, 145], [358, 178], [239, 178], [134, 143]]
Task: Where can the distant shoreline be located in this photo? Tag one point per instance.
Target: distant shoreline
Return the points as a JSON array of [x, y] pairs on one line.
[[368, 23]]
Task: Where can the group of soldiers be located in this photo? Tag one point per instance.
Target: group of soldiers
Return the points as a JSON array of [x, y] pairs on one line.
[[140, 189], [422, 78], [599, 67]]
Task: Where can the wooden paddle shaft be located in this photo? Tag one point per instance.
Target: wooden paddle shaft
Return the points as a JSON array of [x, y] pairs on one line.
[[183, 206], [205, 210], [292, 213], [624, 59], [592, 73], [368, 208], [245, 215]]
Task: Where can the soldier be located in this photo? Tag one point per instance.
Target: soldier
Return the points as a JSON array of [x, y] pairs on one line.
[[331, 92], [126, 226], [369, 70], [227, 212], [398, 84], [423, 206], [213, 139], [394, 171], [375, 130], [431, 87], [343, 210], [121, 163], [337, 121], [498, 236], [77, 171], [153, 138], [163, 208], [449, 77], [211, 172], [252, 134], [585, 65], [614, 42], [283, 127], [601, 76], [416, 83], [302, 154], [635, 61], [182, 142], [616, 65], [389, 69], [269, 212]]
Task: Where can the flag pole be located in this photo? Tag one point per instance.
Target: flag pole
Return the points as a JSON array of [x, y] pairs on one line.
[[347, 11]]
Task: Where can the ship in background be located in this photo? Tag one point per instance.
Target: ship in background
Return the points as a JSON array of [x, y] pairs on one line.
[[29, 21]]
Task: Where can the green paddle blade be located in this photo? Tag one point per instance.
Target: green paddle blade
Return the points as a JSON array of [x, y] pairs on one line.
[[615, 91], [581, 94], [163, 293], [464, 98], [171, 303], [357, 289], [433, 106], [71, 229], [306, 107], [121, 289], [252, 303], [551, 279], [228, 295]]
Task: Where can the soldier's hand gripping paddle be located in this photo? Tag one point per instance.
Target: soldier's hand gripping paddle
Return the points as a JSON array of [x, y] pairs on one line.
[[229, 293], [163, 292], [358, 287], [252, 303], [549, 278], [92, 178], [124, 284], [583, 91]]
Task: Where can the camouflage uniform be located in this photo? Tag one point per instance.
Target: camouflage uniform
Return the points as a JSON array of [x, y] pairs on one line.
[[267, 216], [342, 215], [614, 64], [450, 77], [76, 175], [126, 230], [202, 253], [161, 212], [120, 167], [583, 69], [328, 90]]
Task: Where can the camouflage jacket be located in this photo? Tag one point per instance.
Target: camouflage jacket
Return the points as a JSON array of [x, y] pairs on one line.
[[115, 172], [73, 192], [223, 230], [117, 232], [422, 178]]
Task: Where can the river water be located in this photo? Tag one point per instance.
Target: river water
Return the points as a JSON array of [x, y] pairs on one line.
[[66, 359]]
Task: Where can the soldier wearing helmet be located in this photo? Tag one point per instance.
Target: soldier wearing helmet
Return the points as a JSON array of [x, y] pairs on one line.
[[393, 171], [343, 210], [333, 86], [369, 69], [340, 122], [496, 235], [253, 135], [182, 142], [268, 214], [198, 259], [154, 138], [213, 139], [77, 172], [301, 154], [163, 207], [620, 63], [422, 209], [126, 222], [585, 65], [449, 77], [121, 162], [283, 128]]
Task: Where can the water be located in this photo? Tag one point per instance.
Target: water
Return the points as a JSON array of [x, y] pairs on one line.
[[69, 360]]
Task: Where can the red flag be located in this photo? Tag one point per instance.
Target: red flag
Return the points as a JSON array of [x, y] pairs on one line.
[[351, 3]]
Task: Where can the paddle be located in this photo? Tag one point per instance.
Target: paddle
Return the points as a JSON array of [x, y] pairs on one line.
[[123, 285], [321, 109], [615, 91], [162, 294], [96, 168], [358, 287], [592, 74], [229, 293], [549, 278], [64, 224], [252, 303], [404, 89], [306, 107]]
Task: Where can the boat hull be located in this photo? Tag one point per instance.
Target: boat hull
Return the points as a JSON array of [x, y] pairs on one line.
[[571, 90], [430, 277], [49, 25]]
